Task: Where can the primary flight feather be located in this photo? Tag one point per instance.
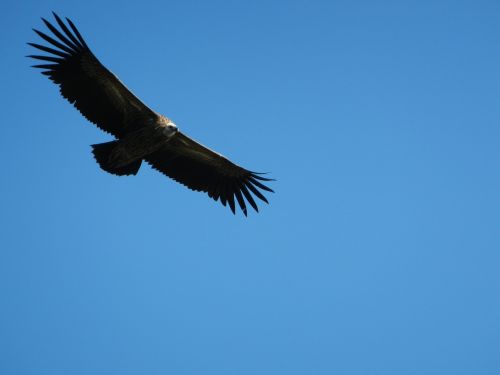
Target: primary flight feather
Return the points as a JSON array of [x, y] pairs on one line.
[[142, 134]]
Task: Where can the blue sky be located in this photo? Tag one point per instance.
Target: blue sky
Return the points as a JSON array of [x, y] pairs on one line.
[[379, 252]]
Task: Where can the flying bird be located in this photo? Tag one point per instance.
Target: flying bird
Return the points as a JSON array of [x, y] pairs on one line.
[[141, 133]]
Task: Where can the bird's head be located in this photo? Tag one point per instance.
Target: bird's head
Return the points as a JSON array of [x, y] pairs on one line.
[[170, 129]]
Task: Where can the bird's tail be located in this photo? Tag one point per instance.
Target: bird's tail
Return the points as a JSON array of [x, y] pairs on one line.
[[104, 155]]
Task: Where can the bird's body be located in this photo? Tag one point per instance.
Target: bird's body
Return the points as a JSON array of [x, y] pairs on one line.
[[149, 138], [141, 133]]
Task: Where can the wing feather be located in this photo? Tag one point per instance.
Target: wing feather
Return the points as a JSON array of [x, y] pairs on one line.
[[67, 32], [241, 201], [49, 50], [96, 92], [249, 197]]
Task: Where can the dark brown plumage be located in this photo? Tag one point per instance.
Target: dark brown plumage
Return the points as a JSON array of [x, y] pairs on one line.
[[142, 134]]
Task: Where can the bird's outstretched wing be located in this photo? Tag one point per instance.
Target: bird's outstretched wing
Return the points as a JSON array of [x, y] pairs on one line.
[[201, 169], [96, 92]]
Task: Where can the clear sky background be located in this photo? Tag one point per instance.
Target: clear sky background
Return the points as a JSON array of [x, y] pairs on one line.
[[379, 252]]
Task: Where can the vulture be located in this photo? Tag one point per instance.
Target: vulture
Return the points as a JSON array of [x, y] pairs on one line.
[[140, 133]]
